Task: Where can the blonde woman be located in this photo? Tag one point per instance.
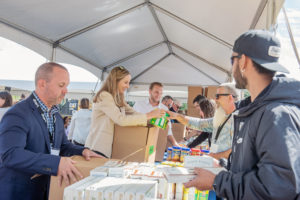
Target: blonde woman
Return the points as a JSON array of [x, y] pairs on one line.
[[110, 108]]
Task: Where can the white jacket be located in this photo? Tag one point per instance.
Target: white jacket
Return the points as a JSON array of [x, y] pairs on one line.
[[105, 114]]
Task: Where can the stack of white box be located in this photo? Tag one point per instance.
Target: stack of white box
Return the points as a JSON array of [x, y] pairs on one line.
[[141, 171], [129, 180], [111, 188]]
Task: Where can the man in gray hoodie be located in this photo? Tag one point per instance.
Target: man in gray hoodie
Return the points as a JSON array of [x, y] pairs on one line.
[[265, 161]]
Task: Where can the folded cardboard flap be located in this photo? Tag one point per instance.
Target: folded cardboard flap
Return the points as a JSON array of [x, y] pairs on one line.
[[161, 144], [178, 131], [132, 143]]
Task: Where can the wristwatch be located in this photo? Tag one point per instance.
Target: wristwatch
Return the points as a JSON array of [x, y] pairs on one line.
[[185, 139]]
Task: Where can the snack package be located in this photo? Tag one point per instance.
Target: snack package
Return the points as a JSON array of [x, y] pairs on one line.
[[160, 122]]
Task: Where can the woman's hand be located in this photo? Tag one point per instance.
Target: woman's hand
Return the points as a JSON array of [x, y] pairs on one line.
[[173, 115], [157, 113], [181, 118]]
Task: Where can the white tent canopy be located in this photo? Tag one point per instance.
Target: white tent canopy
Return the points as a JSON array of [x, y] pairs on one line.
[[172, 41]]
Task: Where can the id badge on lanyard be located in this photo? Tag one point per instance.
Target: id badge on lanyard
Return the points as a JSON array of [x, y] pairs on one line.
[[54, 151]]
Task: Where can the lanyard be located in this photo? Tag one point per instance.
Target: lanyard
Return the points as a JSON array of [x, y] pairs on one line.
[[45, 116], [221, 127]]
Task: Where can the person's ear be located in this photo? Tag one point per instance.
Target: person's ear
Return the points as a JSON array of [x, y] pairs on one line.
[[41, 83], [242, 62]]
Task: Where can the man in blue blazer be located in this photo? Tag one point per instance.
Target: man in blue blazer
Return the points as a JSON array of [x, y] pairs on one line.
[[32, 140]]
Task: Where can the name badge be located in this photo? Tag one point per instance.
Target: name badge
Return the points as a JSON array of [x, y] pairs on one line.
[[214, 148], [55, 151]]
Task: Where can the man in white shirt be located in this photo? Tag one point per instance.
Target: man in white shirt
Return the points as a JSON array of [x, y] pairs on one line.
[[155, 93], [80, 123]]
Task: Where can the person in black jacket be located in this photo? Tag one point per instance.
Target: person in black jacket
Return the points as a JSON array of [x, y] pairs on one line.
[[265, 161]]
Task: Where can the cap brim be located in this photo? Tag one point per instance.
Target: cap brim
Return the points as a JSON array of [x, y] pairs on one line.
[[273, 66]]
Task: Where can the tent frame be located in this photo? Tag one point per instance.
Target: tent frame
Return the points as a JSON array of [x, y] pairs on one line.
[[153, 9]]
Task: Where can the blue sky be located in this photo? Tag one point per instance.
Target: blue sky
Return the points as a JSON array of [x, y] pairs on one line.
[[287, 53], [14, 58]]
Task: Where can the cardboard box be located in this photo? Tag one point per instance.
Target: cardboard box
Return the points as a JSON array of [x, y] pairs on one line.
[[179, 132], [56, 192], [132, 143], [193, 91], [210, 92], [161, 144], [191, 111]]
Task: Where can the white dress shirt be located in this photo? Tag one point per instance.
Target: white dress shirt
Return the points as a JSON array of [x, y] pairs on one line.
[[145, 107], [80, 126]]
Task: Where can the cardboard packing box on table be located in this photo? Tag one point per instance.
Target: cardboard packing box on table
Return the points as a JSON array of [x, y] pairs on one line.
[[179, 132], [84, 166], [161, 144], [193, 91], [210, 92], [136, 144]]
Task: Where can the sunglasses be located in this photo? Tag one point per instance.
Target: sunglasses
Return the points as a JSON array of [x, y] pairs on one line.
[[233, 57], [218, 95]]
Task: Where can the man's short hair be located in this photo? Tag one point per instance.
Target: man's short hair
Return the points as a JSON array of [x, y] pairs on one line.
[[177, 102], [154, 84], [262, 70], [230, 89], [45, 71], [167, 97], [198, 98]]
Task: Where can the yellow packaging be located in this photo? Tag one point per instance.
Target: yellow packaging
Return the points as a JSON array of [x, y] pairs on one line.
[[185, 194], [176, 154]]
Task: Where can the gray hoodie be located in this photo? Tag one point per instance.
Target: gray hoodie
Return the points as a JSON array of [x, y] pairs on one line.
[[265, 162]]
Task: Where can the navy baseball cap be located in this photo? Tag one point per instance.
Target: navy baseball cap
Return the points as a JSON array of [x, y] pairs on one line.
[[262, 47]]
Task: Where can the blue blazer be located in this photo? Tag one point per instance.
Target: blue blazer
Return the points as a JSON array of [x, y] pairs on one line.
[[25, 151]]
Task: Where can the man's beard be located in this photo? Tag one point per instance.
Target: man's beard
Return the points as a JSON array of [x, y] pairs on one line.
[[219, 117], [240, 81]]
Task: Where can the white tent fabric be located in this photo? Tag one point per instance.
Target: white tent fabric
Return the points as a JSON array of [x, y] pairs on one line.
[[172, 41]]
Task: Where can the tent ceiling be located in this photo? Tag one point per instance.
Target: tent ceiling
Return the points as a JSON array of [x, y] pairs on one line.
[[172, 41]]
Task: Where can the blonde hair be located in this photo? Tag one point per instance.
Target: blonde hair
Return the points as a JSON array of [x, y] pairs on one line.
[[111, 85]]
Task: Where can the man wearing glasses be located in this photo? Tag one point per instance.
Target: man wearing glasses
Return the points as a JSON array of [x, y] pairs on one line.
[[221, 125], [265, 161]]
